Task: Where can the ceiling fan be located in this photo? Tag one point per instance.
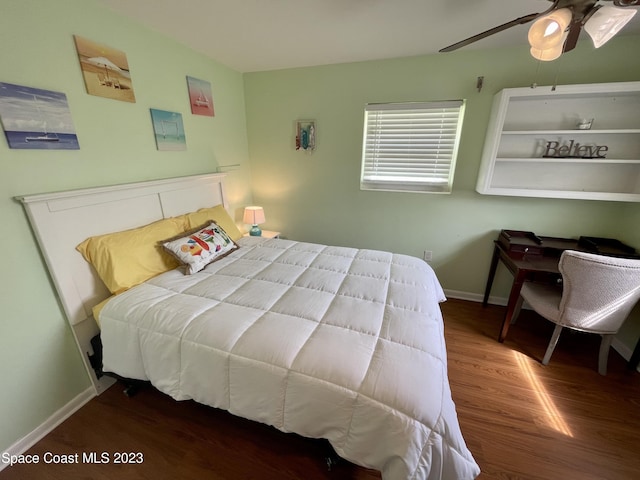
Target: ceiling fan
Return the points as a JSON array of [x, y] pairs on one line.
[[556, 30]]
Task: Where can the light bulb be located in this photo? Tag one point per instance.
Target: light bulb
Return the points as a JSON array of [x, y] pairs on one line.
[[547, 32]]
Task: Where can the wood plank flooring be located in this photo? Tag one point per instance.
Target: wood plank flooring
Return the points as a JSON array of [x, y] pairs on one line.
[[521, 420]]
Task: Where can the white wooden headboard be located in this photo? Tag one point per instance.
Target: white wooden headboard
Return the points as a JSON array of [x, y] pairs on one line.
[[62, 220]]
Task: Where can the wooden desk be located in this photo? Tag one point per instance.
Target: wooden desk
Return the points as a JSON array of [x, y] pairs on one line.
[[635, 357], [523, 267], [529, 257]]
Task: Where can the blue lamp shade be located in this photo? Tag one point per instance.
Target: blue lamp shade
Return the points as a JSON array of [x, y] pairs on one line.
[[254, 216]]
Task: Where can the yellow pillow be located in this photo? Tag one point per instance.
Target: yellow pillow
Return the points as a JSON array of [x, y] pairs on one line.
[[128, 258], [98, 308], [218, 214]]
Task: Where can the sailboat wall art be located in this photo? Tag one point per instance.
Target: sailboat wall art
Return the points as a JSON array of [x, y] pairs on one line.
[[169, 130], [200, 97], [38, 119]]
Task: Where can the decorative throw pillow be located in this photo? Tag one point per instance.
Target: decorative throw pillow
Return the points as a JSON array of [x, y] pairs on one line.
[[200, 247]]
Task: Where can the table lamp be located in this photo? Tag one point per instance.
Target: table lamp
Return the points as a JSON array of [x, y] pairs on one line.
[[254, 216]]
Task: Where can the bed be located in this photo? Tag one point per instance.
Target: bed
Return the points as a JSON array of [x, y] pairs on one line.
[[324, 341]]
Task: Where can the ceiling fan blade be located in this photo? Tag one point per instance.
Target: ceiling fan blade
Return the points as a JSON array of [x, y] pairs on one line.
[[499, 28], [504, 26], [572, 37]]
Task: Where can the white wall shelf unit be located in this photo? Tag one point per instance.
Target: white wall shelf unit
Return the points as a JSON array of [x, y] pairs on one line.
[[534, 147]]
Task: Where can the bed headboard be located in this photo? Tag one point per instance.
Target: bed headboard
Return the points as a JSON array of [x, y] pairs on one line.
[[62, 220]]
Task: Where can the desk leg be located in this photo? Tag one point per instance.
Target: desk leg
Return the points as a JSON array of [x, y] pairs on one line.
[[492, 274], [511, 305], [635, 358]]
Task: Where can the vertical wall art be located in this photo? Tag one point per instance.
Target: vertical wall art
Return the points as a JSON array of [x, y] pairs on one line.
[[36, 119], [105, 70], [169, 130], [305, 135], [200, 97]]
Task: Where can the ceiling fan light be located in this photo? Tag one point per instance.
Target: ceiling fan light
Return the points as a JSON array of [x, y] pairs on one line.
[[547, 55], [547, 31], [606, 22]]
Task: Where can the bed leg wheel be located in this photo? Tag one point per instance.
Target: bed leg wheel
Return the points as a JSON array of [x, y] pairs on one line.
[[332, 461], [130, 391]]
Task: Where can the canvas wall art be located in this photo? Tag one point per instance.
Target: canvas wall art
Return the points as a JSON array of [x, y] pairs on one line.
[[33, 118], [105, 70], [169, 130], [200, 97], [305, 135]]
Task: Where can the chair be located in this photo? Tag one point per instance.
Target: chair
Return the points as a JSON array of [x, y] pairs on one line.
[[596, 296]]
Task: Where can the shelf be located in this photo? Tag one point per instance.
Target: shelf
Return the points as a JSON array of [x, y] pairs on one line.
[[526, 125], [567, 194], [555, 160], [573, 132]]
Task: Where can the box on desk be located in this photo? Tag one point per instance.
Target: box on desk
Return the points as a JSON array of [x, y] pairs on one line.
[[518, 243], [607, 246]]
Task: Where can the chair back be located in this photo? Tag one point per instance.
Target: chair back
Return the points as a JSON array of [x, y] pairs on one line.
[[599, 292]]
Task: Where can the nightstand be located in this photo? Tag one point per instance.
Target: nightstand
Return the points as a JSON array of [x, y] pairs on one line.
[[266, 234]]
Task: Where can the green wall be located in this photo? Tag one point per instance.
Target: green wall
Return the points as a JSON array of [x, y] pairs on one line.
[[312, 197], [40, 366], [316, 196]]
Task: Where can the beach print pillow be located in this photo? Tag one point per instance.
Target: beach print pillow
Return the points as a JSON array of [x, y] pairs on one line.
[[200, 247]]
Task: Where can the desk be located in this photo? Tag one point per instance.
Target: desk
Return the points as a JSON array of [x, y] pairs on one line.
[[523, 268], [635, 357], [529, 257]]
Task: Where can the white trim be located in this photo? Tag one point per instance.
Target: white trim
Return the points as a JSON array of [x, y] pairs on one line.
[[622, 349], [49, 425], [475, 297]]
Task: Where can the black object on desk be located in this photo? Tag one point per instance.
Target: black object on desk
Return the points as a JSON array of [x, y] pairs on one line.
[[530, 257]]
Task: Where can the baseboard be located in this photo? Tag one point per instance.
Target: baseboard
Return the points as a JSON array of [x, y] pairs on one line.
[[617, 345], [621, 348], [47, 427], [475, 297]]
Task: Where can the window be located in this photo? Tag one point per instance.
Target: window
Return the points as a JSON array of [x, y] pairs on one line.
[[411, 146]]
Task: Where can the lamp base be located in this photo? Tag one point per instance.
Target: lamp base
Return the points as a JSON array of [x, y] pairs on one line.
[[255, 231]]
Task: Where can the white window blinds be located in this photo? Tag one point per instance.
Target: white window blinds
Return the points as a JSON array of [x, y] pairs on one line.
[[411, 146]]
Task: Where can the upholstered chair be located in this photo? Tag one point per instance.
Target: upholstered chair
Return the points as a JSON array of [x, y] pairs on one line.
[[596, 295]]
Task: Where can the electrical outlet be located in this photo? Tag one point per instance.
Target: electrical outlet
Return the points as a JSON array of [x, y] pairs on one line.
[[427, 256]]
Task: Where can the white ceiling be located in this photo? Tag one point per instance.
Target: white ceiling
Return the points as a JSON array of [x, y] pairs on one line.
[[258, 35]]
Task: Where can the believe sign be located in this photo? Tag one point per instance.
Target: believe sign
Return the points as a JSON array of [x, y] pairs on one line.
[[574, 150]]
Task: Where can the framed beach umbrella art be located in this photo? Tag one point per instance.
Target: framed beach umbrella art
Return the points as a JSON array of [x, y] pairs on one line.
[[105, 70], [107, 64]]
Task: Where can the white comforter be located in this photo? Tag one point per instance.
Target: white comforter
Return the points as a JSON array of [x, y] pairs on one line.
[[327, 342]]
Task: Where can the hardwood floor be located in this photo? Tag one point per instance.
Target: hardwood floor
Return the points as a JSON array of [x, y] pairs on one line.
[[521, 420]]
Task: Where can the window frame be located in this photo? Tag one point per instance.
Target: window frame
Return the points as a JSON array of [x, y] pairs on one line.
[[416, 158]]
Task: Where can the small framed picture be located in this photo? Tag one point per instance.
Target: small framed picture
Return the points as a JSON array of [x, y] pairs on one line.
[[169, 130], [305, 135], [200, 97]]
